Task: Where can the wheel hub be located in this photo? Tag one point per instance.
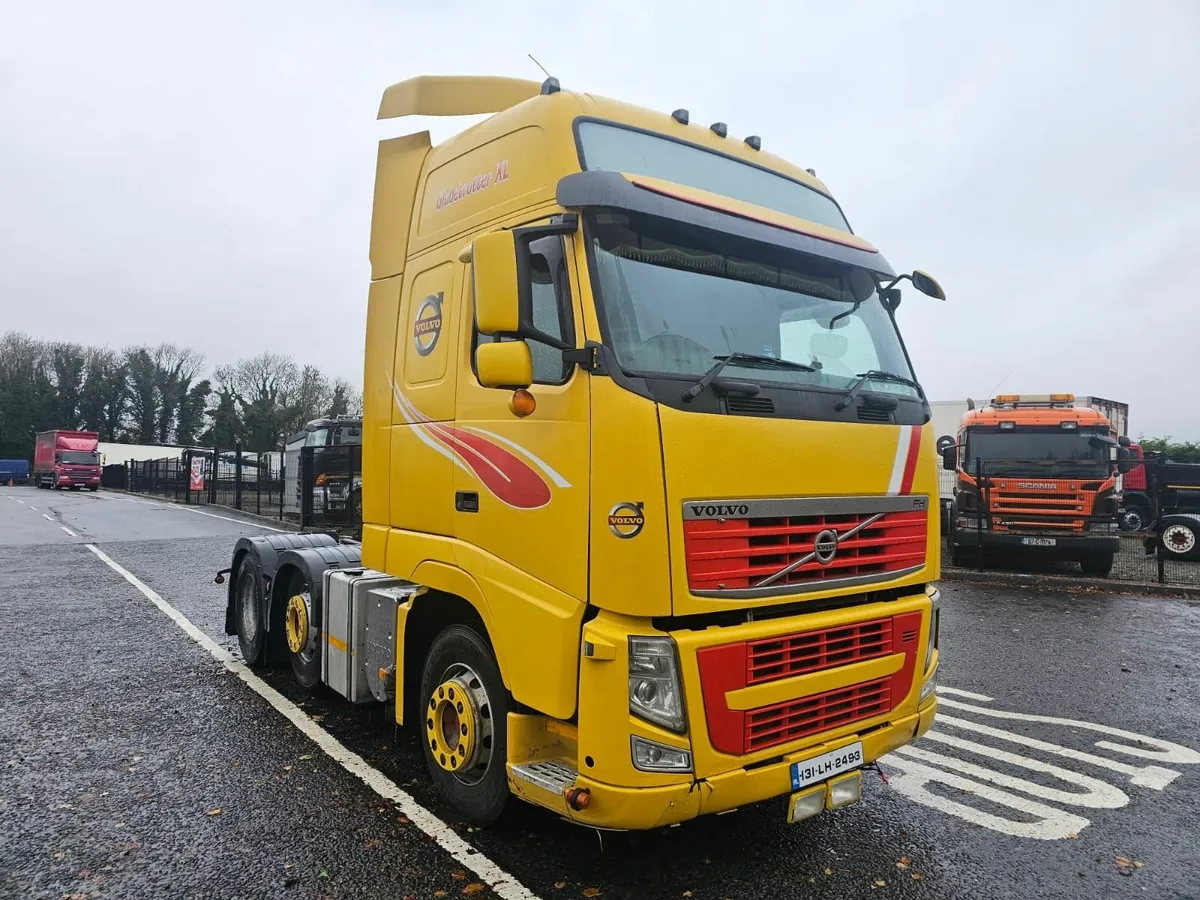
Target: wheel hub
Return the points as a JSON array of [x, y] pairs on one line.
[[295, 623], [1179, 539], [458, 726]]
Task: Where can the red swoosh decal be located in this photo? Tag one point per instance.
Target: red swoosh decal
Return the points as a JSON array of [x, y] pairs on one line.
[[504, 474]]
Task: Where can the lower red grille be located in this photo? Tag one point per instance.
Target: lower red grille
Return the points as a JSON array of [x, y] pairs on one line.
[[727, 668], [783, 722], [808, 651], [736, 554]]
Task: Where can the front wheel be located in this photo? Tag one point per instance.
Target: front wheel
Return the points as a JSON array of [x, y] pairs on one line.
[[1098, 565], [1133, 518], [465, 716]]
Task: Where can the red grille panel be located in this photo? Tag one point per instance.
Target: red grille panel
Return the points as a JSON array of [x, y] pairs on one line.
[[783, 722], [738, 553], [810, 651]]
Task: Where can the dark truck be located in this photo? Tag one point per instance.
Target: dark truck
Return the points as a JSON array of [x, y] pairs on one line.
[[325, 456], [1162, 496]]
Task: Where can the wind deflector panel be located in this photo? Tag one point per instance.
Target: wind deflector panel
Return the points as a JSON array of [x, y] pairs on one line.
[[611, 190]]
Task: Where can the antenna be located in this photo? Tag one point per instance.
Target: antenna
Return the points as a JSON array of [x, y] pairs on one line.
[[538, 64], [1001, 382]]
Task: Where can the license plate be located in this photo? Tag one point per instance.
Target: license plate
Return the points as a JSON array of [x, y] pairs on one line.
[[1039, 542], [827, 765]]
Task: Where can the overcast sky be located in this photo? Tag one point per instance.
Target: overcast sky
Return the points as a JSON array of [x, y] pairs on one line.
[[203, 172]]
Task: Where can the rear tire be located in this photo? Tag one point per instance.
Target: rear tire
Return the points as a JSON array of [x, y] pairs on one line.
[[1181, 541], [1098, 565], [464, 723], [299, 621], [1134, 519], [248, 613]]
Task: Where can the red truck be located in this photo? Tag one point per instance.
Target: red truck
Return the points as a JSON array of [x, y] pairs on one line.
[[67, 459]]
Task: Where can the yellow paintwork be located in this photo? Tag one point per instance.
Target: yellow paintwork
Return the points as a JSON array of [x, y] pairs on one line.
[[772, 692], [545, 569], [506, 365]]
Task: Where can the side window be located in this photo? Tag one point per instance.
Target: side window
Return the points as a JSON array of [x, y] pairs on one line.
[[551, 310]]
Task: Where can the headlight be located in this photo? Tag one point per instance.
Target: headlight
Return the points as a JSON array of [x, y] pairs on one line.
[[654, 693], [970, 523], [1103, 526], [928, 689], [935, 626], [651, 756]]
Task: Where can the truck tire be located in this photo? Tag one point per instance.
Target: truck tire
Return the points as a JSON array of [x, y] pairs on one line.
[[465, 714], [1098, 565], [1134, 518], [1181, 540], [248, 613], [303, 646]]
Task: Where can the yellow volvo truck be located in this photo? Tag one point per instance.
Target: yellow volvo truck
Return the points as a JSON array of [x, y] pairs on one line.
[[647, 475]]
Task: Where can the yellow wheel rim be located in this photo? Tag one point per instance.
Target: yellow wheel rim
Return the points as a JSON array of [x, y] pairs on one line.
[[296, 624], [451, 725]]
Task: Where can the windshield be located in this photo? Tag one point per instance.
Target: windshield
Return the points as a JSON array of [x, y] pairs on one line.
[[672, 301], [79, 457], [1025, 452]]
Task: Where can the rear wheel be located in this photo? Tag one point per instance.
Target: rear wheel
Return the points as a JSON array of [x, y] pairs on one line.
[[1134, 518], [248, 608], [1180, 540], [1098, 565], [301, 633], [465, 716]]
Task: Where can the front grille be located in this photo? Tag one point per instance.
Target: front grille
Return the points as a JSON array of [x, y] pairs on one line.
[[810, 651], [1027, 509], [793, 719], [733, 554]]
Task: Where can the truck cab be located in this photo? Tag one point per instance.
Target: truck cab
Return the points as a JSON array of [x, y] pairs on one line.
[[328, 469], [648, 475], [67, 459], [1036, 474]]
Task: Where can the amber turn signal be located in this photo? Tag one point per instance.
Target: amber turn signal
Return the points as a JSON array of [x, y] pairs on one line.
[[578, 798], [522, 403]]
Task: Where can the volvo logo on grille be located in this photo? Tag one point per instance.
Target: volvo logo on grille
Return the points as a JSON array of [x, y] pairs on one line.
[[826, 546]]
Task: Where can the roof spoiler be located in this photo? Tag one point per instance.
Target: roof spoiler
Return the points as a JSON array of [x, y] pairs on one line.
[[454, 95]]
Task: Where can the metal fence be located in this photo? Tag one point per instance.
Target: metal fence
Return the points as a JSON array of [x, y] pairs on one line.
[[318, 487], [1042, 538]]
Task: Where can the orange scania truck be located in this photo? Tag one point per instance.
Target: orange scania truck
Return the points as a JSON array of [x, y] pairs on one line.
[[1036, 474], [647, 476]]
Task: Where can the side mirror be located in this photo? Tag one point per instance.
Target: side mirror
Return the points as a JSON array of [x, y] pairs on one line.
[[1124, 441], [950, 459], [504, 364], [1125, 460], [494, 276], [927, 284]]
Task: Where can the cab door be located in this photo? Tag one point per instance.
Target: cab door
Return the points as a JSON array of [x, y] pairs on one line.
[[521, 483]]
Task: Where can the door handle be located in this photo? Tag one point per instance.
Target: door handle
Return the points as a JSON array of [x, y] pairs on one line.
[[466, 501]]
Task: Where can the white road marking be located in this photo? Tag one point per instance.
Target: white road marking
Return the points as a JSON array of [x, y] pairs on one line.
[[924, 774], [22, 502], [464, 854], [34, 508], [231, 519], [68, 531], [47, 518]]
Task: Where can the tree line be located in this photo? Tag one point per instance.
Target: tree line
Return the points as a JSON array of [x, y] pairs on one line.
[[158, 395]]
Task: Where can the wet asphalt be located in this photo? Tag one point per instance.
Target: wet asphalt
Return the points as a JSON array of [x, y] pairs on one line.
[[133, 764]]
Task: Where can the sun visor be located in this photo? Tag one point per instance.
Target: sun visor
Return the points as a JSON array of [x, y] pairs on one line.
[[654, 197]]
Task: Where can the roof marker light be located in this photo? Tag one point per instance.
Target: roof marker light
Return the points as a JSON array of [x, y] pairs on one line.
[[754, 142], [812, 172], [720, 129], [681, 116]]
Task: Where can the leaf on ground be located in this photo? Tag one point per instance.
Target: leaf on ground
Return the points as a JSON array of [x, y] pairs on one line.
[[687, 893], [473, 888], [60, 854], [440, 893], [1072, 836], [131, 847], [1126, 866], [559, 885], [917, 876], [287, 768], [306, 756], [324, 873], [879, 882], [591, 892], [317, 718], [404, 820], [215, 812], [458, 875], [828, 872], [902, 863]]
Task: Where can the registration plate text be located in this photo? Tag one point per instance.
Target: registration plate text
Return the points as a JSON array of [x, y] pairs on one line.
[[827, 765]]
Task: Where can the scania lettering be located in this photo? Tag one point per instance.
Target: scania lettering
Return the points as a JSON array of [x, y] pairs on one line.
[[645, 504]]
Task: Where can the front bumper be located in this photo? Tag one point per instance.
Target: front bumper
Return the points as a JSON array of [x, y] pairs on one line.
[[1064, 544], [634, 808]]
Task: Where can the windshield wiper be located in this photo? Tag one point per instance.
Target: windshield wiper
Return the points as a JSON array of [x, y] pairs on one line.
[[747, 359], [874, 375]]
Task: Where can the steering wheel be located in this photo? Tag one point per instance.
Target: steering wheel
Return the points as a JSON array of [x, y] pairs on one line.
[[683, 353]]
